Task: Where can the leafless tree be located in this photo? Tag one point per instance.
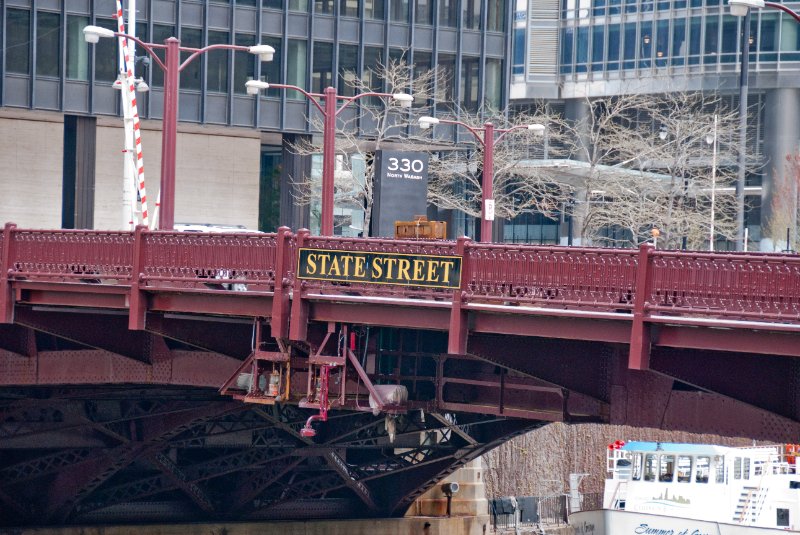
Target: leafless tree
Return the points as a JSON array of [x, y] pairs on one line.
[[519, 184], [372, 124], [642, 162]]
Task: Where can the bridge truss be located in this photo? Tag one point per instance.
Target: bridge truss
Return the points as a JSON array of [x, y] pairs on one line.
[[114, 347]]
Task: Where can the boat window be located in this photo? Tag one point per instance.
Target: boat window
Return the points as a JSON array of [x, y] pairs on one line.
[[719, 463], [701, 469], [637, 466], [783, 517], [684, 469], [737, 468], [650, 467], [666, 469], [746, 468]]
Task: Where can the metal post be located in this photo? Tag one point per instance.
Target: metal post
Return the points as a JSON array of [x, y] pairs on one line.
[[713, 185], [487, 195], [740, 181], [328, 161], [169, 135]]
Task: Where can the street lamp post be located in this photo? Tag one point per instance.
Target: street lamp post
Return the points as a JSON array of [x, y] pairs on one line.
[[488, 140], [172, 66], [742, 8], [329, 112]]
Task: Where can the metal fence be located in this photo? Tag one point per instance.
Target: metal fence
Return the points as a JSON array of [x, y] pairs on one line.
[[513, 512]]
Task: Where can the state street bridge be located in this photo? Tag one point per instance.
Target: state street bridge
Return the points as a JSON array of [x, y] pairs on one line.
[[165, 376]]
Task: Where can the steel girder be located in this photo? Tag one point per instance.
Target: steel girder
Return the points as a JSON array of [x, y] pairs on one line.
[[222, 459]]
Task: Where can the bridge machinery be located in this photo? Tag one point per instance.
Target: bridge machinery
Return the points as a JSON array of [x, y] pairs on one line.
[[167, 376]]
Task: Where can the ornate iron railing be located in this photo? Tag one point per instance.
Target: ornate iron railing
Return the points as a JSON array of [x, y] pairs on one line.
[[749, 286]]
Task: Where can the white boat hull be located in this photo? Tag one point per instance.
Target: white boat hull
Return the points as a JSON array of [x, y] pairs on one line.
[[618, 522]]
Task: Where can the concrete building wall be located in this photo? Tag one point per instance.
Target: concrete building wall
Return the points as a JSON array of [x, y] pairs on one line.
[[216, 181], [31, 153]]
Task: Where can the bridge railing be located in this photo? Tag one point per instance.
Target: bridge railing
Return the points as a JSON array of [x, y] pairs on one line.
[[755, 286], [239, 261], [550, 276], [68, 255], [763, 287]]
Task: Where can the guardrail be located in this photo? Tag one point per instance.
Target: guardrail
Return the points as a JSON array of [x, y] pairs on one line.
[[743, 286]]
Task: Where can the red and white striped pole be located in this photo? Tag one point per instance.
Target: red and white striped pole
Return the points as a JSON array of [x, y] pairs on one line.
[[130, 87]]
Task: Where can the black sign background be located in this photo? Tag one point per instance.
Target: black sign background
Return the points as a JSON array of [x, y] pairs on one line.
[[432, 271], [400, 189]]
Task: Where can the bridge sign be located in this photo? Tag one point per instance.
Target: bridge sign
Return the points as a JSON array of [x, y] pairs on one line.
[[432, 271]]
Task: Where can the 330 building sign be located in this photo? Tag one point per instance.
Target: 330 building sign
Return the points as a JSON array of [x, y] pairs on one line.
[[432, 271]]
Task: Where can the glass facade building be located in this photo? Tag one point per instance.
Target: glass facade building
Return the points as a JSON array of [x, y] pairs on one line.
[[574, 49], [46, 66]]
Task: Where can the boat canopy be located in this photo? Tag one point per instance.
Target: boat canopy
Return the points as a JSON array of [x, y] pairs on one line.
[[669, 447]]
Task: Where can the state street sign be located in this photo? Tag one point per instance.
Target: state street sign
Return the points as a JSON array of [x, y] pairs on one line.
[[400, 189], [431, 271]]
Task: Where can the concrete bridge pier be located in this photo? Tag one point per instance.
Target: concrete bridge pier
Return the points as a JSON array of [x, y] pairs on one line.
[[470, 500]]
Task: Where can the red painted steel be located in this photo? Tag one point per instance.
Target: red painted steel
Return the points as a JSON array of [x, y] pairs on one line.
[[763, 288]]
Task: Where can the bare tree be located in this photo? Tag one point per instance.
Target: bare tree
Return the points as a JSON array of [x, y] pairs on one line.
[[520, 185], [372, 124], [640, 162]]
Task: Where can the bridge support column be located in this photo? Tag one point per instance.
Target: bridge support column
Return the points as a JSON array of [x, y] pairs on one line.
[[6, 298], [639, 355], [459, 330], [470, 500]]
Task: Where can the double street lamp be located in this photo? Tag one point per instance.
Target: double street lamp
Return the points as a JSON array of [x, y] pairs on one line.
[[486, 136], [742, 8], [329, 112], [172, 66]]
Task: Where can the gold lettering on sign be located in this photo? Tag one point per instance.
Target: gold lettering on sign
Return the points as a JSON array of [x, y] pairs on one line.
[[436, 271]]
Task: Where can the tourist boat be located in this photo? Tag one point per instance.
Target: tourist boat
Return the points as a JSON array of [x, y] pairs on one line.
[[658, 488]]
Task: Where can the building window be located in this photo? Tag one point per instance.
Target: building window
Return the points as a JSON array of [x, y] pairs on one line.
[[629, 54], [322, 71], [448, 13], [493, 84], [48, 44], [646, 44], [244, 67], [520, 27], [730, 38], [217, 63], [18, 35], [678, 41], [469, 83], [160, 34], [348, 8], [348, 69], [582, 49], [106, 58], [298, 5], [446, 83], [271, 70], [77, 49], [471, 14], [274, 4], [324, 6], [496, 15], [190, 75], [662, 43], [422, 64], [424, 12], [400, 10], [613, 47], [296, 66], [712, 36], [598, 35], [695, 32], [373, 59]]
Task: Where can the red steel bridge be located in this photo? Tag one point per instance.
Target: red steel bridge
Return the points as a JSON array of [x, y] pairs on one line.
[[166, 376]]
